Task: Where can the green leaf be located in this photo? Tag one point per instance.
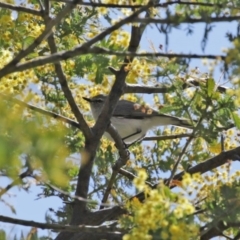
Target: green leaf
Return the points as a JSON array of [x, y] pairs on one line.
[[210, 86], [27, 41], [32, 55], [236, 119], [2, 235], [99, 76], [168, 109]]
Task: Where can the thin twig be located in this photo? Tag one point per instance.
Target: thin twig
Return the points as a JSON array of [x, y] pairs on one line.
[[81, 199], [178, 161], [160, 138], [168, 182], [42, 111], [26, 173]]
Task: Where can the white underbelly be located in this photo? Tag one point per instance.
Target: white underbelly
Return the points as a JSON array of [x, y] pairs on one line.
[[127, 127]]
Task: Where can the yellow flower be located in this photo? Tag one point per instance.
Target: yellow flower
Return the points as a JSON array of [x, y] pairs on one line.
[[178, 212], [174, 230], [102, 10], [164, 235], [140, 180]]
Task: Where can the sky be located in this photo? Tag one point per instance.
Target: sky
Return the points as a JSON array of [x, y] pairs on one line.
[[27, 207]]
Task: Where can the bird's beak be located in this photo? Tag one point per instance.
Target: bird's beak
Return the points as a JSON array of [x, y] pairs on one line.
[[87, 99]]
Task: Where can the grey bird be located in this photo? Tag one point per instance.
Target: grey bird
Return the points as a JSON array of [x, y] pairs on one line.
[[132, 120]]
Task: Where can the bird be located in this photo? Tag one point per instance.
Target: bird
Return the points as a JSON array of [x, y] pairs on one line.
[[132, 120]]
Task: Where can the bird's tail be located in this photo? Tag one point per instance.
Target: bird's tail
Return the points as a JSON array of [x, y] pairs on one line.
[[163, 119], [182, 122]]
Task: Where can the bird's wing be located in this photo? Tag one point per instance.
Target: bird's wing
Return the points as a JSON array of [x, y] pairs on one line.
[[137, 111], [134, 110]]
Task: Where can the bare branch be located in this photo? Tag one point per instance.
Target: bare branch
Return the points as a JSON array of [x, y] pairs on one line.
[[16, 181], [107, 214], [95, 218], [179, 160], [124, 156], [137, 88], [120, 145], [78, 198], [160, 138], [163, 88], [20, 9], [68, 94], [127, 174], [168, 182], [120, 162], [212, 163], [42, 111], [59, 227]]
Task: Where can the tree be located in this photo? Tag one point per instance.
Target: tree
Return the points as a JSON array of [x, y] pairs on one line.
[[176, 185]]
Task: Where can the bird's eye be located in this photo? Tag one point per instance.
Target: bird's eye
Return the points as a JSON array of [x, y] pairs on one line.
[[98, 100]]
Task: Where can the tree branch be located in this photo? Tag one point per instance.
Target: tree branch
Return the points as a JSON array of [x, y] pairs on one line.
[[137, 88], [96, 235], [16, 181], [89, 154], [218, 228], [163, 88], [42, 111], [124, 156], [179, 20], [99, 127], [110, 103], [78, 198], [68, 94], [203, 167], [167, 137], [20, 9], [59, 227], [81, 50], [162, 5]]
